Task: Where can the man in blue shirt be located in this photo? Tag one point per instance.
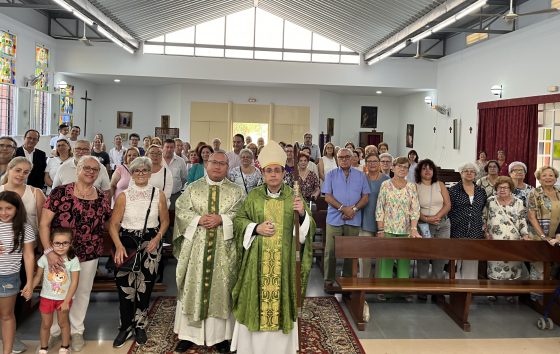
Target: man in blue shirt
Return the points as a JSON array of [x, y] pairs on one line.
[[346, 191]]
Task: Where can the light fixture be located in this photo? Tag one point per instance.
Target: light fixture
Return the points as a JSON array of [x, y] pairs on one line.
[[428, 100], [62, 85], [117, 80], [64, 5], [388, 53], [497, 90], [83, 17], [252, 100], [379, 92]]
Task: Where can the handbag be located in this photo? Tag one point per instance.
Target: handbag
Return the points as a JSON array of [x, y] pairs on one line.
[[133, 261]]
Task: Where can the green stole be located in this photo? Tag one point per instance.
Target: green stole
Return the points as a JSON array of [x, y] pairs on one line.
[[210, 250], [271, 267]]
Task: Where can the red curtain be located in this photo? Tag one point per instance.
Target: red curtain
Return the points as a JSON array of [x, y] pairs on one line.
[[512, 129]]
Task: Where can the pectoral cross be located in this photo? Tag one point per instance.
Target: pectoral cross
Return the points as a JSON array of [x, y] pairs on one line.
[[85, 111]]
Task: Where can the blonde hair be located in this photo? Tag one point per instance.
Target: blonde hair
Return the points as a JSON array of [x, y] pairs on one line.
[[13, 162], [540, 170]]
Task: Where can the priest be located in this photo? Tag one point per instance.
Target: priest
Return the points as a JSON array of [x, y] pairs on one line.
[[264, 297], [207, 258]]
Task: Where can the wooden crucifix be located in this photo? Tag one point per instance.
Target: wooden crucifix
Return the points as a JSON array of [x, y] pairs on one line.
[[85, 111]]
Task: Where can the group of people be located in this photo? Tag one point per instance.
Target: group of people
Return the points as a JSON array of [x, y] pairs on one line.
[[236, 217]]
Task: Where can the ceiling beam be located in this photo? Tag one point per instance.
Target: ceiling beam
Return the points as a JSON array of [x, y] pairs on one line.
[[474, 30], [416, 27], [104, 21], [30, 6]]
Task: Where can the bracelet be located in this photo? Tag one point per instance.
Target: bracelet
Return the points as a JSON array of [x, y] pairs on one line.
[[47, 251], [340, 207]]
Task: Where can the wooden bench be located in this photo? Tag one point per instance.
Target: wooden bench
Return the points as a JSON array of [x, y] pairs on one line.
[[460, 291]]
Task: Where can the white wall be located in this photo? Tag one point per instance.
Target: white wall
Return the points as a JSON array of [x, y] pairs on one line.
[[525, 62]]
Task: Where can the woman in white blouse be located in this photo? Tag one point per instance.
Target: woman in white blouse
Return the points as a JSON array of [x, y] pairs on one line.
[[63, 152]]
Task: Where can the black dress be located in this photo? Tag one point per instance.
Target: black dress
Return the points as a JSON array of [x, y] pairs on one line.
[[466, 217]]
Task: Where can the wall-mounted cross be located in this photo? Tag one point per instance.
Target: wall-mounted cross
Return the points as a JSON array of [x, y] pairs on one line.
[[85, 111]]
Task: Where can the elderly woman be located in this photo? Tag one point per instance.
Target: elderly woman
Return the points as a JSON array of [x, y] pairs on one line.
[[505, 219], [83, 208], [198, 170], [127, 226], [481, 164], [308, 181], [15, 180], [397, 215], [386, 162], [161, 176], [328, 161], [121, 177], [383, 147], [517, 172], [246, 175], [62, 152], [487, 182], [434, 206], [369, 226], [544, 211], [466, 215]]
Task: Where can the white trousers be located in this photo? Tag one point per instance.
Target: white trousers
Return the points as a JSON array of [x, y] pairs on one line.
[[80, 302], [467, 270]]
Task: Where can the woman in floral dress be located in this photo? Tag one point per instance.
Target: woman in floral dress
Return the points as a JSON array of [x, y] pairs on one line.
[[517, 172], [505, 219], [247, 175]]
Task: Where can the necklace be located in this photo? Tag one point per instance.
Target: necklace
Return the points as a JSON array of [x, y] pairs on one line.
[[84, 194]]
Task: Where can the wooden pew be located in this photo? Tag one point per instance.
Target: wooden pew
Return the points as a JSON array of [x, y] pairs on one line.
[[460, 291]]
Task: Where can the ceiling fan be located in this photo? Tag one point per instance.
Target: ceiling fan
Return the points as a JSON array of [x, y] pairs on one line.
[[84, 39], [511, 15]]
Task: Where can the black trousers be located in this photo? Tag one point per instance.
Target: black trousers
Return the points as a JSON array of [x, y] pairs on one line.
[[135, 289]]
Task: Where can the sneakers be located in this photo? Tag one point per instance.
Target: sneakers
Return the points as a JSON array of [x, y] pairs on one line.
[[64, 350], [77, 342], [140, 336], [122, 337], [42, 351], [19, 346]]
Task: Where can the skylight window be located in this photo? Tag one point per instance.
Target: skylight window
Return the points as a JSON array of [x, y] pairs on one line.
[[252, 34]]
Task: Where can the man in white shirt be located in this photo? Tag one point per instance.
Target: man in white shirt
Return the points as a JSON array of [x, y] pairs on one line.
[[178, 169], [308, 142], [62, 132], [67, 171], [233, 156], [116, 153], [216, 143], [74, 134]]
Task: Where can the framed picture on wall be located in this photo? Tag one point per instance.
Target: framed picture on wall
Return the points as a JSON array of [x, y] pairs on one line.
[[368, 118], [124, 120], [410, 135], [124, 136]]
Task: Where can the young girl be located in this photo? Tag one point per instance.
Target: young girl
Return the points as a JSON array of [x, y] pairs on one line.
[[16, 238], [57, 290]]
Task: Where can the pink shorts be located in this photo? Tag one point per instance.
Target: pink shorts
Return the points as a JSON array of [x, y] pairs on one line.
[[50, 306]]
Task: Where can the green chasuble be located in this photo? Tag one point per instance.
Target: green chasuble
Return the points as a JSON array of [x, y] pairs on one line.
[[264, 297], [207, 260]]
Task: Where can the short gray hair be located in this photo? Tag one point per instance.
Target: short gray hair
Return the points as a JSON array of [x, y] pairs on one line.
[[517, 163], [386, 154], [344, 149], [82, 162], [138, 162], [246, 151], [468, 166]]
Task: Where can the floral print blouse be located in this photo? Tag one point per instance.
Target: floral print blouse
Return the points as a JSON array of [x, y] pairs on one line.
[[309, 185], [86, 218], [505, 222], [397, 207], [247, 182]]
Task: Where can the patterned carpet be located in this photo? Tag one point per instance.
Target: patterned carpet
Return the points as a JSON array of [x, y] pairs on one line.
[[325, 329]]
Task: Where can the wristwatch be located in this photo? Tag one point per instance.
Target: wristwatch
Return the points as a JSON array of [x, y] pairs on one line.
[[355, 209]]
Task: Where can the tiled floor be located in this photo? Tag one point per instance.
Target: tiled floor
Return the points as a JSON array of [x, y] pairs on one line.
[[422, 326]]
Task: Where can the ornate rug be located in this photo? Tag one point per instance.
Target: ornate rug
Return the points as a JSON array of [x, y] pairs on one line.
[[325, 329]]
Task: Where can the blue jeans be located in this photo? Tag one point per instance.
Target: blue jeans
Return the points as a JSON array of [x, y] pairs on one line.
[[9, 285]]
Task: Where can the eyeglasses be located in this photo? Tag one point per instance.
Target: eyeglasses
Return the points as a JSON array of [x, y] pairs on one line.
[[220, 163], [155, 153], [81, 149], [385, 161], [141, 172], [345, 157], [372, 162], [61, 244], [89, 169], [518, 171], [402, 166], [503, 188], [274, 170], [469, 171], [6, 146]]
